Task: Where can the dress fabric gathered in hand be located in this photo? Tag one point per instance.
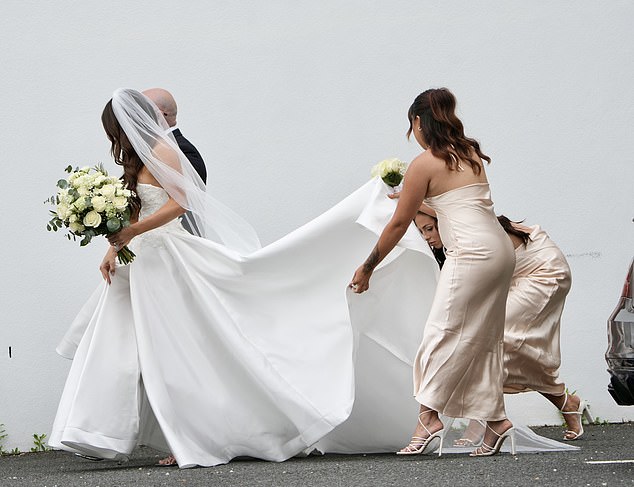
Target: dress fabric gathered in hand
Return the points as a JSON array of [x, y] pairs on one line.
[[459, 367], [538, 291]]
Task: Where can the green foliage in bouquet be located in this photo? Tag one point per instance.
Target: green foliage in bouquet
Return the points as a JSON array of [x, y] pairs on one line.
[[91, 203]]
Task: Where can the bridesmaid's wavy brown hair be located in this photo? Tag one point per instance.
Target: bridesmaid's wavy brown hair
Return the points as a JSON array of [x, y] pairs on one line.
[[123, 154], [508, 227], [442, 129]]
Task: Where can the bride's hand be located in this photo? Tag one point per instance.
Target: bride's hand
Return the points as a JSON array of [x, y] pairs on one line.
[[107, 266], [121, 238], [361, 280], [394, 196]]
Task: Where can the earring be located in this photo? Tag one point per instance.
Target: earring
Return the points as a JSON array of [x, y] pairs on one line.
[[420, 129]]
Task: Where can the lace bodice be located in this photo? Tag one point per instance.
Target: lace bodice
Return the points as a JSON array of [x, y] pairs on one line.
[[153, 198]]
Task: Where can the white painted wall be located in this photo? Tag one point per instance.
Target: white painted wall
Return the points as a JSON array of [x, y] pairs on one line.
[[291, 103]]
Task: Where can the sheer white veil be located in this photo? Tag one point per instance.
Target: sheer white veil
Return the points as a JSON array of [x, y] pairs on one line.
[[150, 135]]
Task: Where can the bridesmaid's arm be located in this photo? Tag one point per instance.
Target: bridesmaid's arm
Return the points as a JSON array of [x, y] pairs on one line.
[[415, 184]]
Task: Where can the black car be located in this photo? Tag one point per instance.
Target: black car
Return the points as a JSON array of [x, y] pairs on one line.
[[620, 353]]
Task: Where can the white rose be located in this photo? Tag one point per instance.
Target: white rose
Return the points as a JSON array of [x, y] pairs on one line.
[[108, 191], [73, 218], [76, 227], [98, 203], [92, 219], [120, 202], [83, 190]]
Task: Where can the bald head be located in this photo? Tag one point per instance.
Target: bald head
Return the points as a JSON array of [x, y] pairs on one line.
[[164, 100]]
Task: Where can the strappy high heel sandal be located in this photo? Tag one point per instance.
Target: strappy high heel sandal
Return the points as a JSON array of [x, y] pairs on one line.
[[422, 446], [583, 411], [485, 450]]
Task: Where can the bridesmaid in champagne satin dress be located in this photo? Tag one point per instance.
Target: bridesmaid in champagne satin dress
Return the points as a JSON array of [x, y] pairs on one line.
[[536, 299], [458, 369]]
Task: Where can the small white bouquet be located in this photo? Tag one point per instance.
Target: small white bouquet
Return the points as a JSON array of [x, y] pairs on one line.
[[91, 203], [391, 171]]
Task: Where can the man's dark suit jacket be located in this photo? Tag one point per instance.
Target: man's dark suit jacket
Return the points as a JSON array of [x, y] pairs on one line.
[[192, 154]]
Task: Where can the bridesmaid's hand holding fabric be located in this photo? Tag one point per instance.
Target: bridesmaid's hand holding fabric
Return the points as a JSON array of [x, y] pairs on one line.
[[361, 280]]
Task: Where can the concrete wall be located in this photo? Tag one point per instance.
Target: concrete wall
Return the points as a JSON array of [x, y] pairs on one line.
[[291, 103]]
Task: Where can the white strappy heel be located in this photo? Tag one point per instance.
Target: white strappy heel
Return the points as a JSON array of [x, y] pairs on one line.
[[485, 450], [421, 446], [583, 411]]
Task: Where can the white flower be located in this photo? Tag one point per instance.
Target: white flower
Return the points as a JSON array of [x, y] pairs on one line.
[[92, 219], [63, 211], [98, 179], [387, 166], [80, 204], [120, 202], [108, 191], [76, 227], [98, 203]]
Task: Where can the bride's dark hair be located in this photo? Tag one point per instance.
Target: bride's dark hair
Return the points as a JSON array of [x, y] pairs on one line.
[[442, 129], [123, 154]]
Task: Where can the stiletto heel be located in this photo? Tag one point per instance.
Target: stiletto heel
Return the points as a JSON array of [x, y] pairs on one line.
[[419, 445], [583, 411], [513, 441], [487, 450]]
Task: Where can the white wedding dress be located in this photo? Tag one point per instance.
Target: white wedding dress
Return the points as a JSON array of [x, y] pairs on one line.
[[199, 351]]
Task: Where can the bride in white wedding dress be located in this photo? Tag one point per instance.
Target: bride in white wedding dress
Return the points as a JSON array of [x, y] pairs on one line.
[[213, 351]]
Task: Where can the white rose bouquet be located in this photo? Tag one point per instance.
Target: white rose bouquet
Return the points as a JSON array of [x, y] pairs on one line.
[[91, 203], [391, 171]]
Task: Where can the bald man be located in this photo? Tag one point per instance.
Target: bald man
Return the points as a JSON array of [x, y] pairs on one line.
[[164, 100]]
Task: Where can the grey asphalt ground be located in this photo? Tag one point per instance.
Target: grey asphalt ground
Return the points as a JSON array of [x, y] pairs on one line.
[[601, 443]]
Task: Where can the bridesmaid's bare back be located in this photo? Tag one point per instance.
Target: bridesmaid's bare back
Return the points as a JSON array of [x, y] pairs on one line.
[[443, 179]]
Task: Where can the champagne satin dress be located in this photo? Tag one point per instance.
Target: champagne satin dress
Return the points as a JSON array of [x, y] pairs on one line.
[[539, 287], [458, 370]]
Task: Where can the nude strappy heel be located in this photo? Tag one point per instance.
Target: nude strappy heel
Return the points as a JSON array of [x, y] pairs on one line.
[[583, 411], [485, 450], [421, 446]]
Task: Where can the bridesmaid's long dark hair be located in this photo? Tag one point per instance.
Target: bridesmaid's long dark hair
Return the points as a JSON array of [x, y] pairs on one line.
[[442, 129], [123, 154], [508, 227]]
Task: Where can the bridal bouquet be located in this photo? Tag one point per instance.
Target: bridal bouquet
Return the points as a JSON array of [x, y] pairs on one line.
[[391, 171], [91, 203]]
